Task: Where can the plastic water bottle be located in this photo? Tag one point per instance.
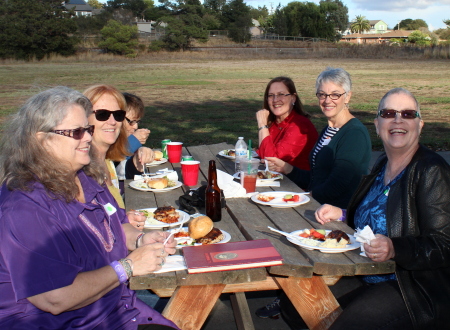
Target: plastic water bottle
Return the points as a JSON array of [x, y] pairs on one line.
[[241, 153]]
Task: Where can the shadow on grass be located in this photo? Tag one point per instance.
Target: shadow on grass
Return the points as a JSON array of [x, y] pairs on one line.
[[224, 121]]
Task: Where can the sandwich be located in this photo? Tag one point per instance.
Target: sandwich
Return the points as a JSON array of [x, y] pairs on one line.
[[158, 155], [203, 231], [166, 214], [157, 183]]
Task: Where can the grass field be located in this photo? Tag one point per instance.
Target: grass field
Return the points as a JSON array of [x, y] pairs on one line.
[[200, 100]]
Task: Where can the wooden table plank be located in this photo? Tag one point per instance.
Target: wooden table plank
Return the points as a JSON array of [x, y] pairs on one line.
[[188, 315], [314, 301]]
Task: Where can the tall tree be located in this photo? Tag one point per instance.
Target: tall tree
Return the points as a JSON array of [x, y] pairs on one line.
[[184, 24], [411, 24], [256, 13], [119, 38], [237, 20], [95, 4], [336, 13], [137, 7], [279, 21], [360, 24], [31, 28]]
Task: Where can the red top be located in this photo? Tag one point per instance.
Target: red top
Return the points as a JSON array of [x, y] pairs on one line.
[[291, 140]]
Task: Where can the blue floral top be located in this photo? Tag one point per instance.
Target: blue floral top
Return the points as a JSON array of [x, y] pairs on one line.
[[372, 212]]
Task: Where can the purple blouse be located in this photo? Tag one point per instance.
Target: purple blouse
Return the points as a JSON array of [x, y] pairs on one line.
[[46, 242]]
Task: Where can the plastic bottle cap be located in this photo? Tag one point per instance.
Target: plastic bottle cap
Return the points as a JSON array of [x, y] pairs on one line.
[[241, 138]]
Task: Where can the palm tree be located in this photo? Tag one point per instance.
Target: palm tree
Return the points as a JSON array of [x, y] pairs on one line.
[[360, 24]]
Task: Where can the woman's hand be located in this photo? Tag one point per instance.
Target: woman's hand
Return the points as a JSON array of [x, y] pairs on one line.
[[278, 165], [327, 213], [160, 237], [148, 258], [142, 156], [262, 116], [142, 134], [137, 219], [380, 248]]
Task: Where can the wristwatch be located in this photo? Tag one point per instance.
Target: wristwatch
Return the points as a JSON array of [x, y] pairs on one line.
[[265, 126]]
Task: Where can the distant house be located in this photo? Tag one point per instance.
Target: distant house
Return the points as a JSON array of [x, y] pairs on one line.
[[256, 30], [81, 7], [376, 26], [375, 38]]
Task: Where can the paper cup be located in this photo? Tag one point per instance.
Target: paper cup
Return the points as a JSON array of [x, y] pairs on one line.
[[189, 170], [174, 151]]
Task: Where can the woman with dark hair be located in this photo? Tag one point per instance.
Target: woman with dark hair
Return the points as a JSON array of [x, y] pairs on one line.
[[284, 129], [64, 241]]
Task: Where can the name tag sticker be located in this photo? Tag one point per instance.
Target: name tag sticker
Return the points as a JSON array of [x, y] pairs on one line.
[[110, 210], [326, 141]]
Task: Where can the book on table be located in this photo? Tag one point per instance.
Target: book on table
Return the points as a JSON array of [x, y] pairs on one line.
[[230, 256]]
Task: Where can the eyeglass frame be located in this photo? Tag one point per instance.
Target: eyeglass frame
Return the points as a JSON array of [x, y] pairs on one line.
[[115, 113], [329, 95], [70, 132], [132, 122], [401, 112], [275, 96]]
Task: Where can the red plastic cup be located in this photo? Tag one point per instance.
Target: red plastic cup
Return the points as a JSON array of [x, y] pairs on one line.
[[249, 182], [174, 151], [189, 170]]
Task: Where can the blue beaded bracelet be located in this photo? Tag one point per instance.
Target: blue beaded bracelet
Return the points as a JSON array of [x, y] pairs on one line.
[[344, 215], [120, 271]]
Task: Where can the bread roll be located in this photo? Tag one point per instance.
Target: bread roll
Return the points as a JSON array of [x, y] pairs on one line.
[[158, 183], [158, 155], [200, 227]]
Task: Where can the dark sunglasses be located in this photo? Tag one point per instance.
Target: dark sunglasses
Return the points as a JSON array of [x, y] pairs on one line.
[[405, 114], [132, 122], [103, 114], [76, 133]]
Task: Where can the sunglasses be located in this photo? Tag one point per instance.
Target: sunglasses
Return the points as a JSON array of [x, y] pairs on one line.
[[405, 114], [103, 114], [132, 122], [76, 133]]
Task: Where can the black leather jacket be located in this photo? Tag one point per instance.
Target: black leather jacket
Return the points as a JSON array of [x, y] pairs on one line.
[[418, 222]]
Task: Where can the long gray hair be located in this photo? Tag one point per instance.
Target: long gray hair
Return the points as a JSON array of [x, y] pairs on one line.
[[24, 160], [337, 76]]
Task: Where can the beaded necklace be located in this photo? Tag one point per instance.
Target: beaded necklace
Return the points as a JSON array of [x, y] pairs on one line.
[[108, 246]]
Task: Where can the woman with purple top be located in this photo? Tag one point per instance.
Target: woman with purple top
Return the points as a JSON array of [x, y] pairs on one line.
[[64, 241]]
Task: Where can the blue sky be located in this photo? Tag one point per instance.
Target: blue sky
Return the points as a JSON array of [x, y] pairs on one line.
[[390, 11]]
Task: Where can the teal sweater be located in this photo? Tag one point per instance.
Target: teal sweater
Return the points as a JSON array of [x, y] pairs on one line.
[[339, 165]]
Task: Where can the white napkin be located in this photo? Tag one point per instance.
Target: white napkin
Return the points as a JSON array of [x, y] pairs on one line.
[[364, 235], [170, 174], [173, 263], [260, 183], [231, 189]]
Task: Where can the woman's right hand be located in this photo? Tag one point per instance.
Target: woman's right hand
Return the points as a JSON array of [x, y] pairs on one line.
[[148, 258], [327, 213], [278, 165], [142, 134], [262, 116]]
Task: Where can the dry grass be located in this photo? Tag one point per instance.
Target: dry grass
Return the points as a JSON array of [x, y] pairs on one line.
[[204, 97]]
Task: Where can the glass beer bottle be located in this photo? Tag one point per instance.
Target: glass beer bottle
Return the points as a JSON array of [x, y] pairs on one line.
[[212, 198]]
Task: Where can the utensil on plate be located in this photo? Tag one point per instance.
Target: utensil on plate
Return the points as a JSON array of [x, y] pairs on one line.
[[283, 233], [267, 165], [173, 232]]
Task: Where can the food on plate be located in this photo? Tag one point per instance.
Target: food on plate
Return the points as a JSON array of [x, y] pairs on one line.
[[265, 198], [166, 214], [264, 175], [230, 153], [202, 230], [157, 183], [158, 155], [318, 237], [181, 234], [290, 198]]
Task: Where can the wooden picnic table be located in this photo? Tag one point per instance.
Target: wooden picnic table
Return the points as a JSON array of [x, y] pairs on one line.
[[304, 275]]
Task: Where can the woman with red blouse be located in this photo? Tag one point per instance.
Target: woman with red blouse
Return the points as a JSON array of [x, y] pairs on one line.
[[284, 131]]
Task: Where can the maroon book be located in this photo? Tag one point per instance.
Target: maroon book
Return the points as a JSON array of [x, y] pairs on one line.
[[230, 256]]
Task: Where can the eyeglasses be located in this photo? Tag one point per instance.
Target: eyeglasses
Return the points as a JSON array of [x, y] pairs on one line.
[[76, 133], [103, 114], [405, 114], [132, 122], [333, 96], [274, 96]]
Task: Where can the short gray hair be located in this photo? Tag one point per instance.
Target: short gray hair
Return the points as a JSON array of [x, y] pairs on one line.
[[398, 90], [337, 76]]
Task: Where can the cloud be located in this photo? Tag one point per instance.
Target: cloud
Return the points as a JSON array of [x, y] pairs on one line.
[[398, 5]]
